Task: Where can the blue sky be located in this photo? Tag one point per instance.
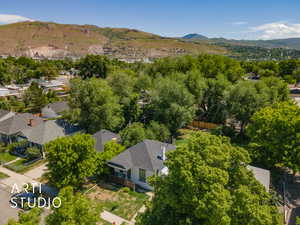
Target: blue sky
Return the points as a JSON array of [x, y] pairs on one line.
[[248, 19]]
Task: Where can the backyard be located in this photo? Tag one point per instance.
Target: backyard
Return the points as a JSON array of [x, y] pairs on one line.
[[119, 201]]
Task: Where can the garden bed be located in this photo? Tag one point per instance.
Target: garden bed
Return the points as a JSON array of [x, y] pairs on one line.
[[122, 202], [6, 157], [23, 165]]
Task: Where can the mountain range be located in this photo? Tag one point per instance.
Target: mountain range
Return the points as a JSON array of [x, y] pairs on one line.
[[53, 40]]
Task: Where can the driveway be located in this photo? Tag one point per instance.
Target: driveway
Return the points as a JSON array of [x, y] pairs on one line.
[[14, 178], [7, 211], [37, 172]]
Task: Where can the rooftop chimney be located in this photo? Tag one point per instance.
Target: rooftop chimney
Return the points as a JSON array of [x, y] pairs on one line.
[[163, 153], [32, 122]]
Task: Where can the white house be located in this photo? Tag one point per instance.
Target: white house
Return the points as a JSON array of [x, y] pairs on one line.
[[140, 161]]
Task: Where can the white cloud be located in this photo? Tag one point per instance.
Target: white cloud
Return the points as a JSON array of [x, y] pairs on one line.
[[7, 18], [277, 30], [239, 23]]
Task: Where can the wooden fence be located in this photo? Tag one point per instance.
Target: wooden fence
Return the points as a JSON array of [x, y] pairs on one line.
[[203, 125]]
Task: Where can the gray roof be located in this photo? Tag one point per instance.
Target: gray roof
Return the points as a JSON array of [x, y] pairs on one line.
[[17, 123], [145, 155], [53, 109], [102, 137], [262, 176], [3, 112], [44, 132]]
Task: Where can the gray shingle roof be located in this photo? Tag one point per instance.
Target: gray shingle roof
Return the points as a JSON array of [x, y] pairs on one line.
[[144, 155], [18, 123], [53, 110], [261, 175], [44, 132], [3, 112], [102, 137]]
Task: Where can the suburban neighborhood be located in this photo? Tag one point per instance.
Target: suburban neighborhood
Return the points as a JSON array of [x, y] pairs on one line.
[[149, 112]]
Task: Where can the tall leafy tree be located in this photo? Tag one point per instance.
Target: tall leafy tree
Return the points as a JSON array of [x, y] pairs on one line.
[[31, 218], [209, 183], [171, 104], [34, 98], [71, 160], [95, 104], [93, 66], [275, 133], [75, 209]]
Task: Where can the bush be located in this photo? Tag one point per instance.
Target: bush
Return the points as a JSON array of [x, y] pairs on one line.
[[224, 131], [125, 189], [33, 153]]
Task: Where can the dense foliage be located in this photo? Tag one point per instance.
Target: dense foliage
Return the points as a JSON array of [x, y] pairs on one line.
[[71, 160], [275, 133], [75, 209], [209, 183]]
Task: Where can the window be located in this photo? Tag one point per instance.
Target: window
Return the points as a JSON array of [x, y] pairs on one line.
[[142, 175]]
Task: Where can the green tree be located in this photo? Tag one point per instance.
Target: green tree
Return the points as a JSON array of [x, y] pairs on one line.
[[71, 160], [75, 209], [158, 132], [111, 149], [93, 66], [30, 218], [133, 134], [171, 104], [48, 71], [209, 183], [274, 133], [34, 98], [96, 105]]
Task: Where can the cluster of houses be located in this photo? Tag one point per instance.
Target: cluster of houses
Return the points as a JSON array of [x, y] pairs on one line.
[[58, 85], [132, 166]]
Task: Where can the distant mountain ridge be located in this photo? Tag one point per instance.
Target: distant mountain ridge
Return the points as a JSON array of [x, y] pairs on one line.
[[53, 40], [195, 36], [291, 43]]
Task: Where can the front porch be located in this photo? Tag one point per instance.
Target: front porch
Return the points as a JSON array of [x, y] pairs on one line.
[[121, 175]]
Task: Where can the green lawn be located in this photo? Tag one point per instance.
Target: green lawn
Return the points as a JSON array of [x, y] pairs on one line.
[[21, 167], [122, 203], [6, 157], [3, 175]]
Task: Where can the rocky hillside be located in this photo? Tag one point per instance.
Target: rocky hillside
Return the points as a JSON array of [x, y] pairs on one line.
[[41, 39]]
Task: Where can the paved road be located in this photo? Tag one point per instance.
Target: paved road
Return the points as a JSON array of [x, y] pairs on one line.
[[7, 211]]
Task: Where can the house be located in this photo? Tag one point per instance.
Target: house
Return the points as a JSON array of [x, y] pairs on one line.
[[262, 176], [5, 114], [140, 161], [102, 137], [54, 110], [47, 131], [11, 127], [4, 92]]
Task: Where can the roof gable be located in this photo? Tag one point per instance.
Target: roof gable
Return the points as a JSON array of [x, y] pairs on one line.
[[102, 137], [143, 155]]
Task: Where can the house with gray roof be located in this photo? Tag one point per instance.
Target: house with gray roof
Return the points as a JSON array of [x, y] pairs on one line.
[[102, 137], [55, 109], [5, 114], [47, 131], [11, 127], [262, 176], [140, 161]]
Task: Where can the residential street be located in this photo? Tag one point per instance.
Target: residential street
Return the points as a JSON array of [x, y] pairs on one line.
[[6, 211]]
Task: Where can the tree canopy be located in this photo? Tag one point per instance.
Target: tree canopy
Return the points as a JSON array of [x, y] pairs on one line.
[[71, 160], [209, 183], [275, 133]]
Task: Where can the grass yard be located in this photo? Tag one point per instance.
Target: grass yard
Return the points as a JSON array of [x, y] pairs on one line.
[[20, 166], [3, 175], [118, 201], [6, 157]]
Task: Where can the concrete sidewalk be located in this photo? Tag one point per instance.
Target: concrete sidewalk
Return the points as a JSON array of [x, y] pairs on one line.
[[37, 172], [14, 178], [112, 218]]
